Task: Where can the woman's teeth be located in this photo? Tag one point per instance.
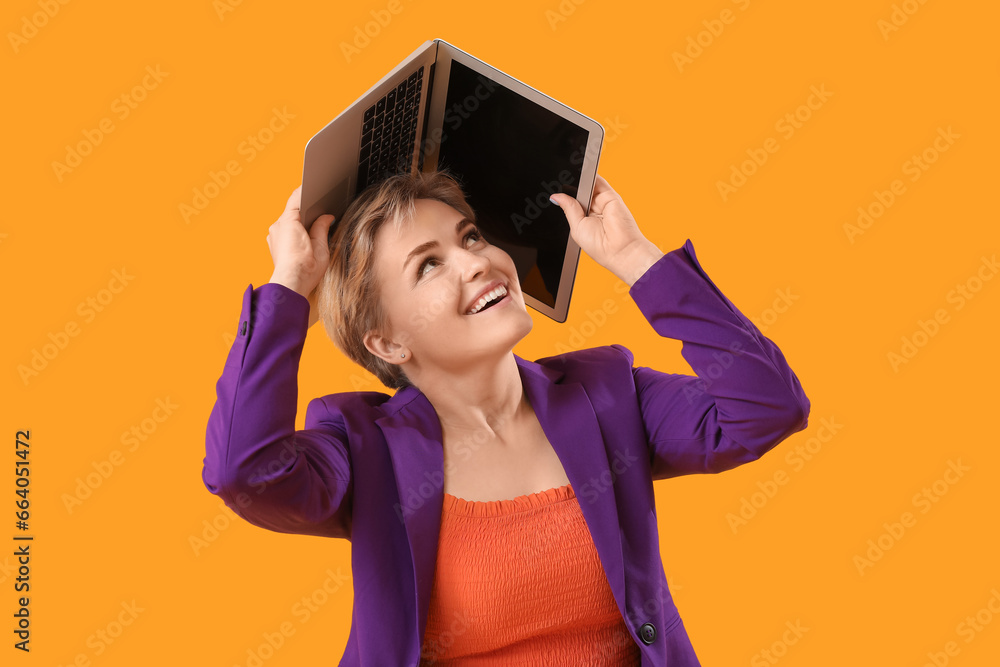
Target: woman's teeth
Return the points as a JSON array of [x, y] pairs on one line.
[[496, 294]]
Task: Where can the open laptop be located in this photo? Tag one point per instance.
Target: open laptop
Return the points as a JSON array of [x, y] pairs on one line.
[[509, 145]]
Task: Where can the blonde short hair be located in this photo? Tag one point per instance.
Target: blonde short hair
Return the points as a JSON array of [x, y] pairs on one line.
[[348, 296]]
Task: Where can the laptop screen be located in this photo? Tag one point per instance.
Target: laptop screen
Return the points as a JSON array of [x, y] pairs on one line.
[[510, 154]]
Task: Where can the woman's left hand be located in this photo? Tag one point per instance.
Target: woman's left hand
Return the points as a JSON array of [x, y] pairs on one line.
[[609, 234]]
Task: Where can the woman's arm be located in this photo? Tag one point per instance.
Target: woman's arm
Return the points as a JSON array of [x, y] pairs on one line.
[[267, 472], [745, 398], [270, 474]]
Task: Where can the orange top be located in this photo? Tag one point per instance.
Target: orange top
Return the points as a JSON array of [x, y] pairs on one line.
[[519, 582]]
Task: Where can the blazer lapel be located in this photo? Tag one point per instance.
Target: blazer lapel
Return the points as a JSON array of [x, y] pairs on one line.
[[567, 416], [413, 435]]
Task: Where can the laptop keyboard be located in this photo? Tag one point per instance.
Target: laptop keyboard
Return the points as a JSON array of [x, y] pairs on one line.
[[389, 132]]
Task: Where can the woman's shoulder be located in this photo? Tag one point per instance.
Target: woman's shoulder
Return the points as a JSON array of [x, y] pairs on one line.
[[350, 400], [600, 354], [337, 407], [590, 363]]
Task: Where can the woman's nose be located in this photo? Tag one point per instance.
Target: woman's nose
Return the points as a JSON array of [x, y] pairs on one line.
[[474, 264]]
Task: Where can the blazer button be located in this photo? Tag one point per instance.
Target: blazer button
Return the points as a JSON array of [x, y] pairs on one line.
[[647, 633], [243, 328]]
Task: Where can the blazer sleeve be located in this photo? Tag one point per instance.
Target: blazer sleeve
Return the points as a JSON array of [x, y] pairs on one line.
[[745, 398], [263, 469]]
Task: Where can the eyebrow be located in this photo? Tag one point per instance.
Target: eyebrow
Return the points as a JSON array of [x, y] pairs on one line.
[[427, 245]]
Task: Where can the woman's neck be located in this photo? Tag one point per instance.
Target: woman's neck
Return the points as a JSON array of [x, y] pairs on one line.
[[483, 401]]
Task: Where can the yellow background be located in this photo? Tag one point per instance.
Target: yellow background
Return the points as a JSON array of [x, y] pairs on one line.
[[673, 134]]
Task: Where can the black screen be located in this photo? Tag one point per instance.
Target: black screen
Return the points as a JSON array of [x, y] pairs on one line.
[[509, 154]]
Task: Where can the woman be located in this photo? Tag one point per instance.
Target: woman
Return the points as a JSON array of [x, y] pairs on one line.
[[501, 511]]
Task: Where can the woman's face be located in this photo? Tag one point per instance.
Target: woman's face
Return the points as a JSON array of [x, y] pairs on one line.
[[431, 274]]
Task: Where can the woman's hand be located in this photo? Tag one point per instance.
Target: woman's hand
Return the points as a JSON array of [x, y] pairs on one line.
[[300, 258], [609, 235]]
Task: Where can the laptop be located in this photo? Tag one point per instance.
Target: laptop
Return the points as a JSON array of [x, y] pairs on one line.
[[509, 145]]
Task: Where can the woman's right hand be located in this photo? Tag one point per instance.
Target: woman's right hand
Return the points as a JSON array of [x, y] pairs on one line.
[[300, 257]]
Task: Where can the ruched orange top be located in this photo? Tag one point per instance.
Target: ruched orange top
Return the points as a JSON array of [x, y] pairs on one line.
[[519, 582]]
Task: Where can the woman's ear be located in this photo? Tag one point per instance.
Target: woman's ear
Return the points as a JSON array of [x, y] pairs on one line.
[[385, 349]]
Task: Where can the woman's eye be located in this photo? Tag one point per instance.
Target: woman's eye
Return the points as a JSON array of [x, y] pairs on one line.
[[420, 271], [475, 234]]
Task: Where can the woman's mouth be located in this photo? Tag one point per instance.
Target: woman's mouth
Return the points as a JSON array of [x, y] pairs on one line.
[[498, 295]]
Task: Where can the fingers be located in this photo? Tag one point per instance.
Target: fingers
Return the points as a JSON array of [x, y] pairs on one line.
[[321, 228], [603, 194], [295, 200], [602, 184], [570, 206]]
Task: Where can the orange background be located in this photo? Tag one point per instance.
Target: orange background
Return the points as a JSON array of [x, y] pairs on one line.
[[674, 132]]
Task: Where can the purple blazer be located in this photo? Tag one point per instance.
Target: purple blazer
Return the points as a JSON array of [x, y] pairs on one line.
[[369, 467]]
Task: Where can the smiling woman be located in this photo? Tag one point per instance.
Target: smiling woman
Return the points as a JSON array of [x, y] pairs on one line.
[[499, 509], [348, 295]]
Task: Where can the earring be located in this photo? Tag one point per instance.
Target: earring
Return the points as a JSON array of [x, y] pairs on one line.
[[402, 355]]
